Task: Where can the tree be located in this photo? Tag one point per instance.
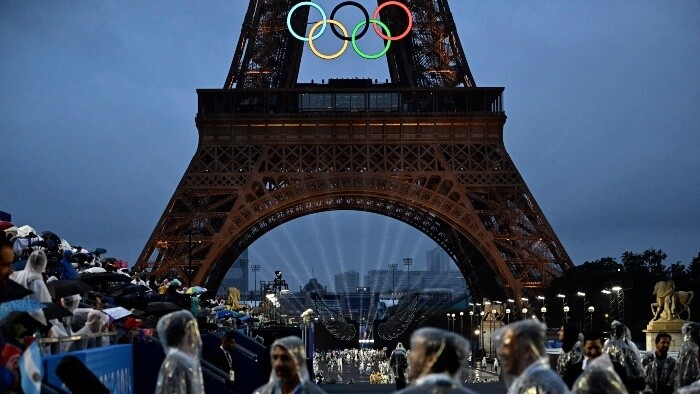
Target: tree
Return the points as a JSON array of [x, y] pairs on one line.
[[694, 269], [678, 273]]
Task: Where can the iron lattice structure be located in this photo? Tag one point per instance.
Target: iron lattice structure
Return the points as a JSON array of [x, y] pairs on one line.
[[426, 149]]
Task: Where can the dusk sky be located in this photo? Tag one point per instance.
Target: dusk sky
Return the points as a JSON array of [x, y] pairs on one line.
[[97, 107]]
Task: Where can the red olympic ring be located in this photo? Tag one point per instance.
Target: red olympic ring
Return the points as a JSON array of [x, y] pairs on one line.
[[410, 21]]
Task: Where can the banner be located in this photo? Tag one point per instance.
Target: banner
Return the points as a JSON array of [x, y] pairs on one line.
[[113, 365]]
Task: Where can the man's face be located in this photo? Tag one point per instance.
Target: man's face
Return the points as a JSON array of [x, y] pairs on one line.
[[561, 333], [416, 362], [508, 353], [7, 257], [662, 346], [228, 344], [283, 364], [593, 349]]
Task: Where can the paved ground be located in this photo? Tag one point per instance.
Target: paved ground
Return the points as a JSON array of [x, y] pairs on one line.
[[481, 388], [362, 385]]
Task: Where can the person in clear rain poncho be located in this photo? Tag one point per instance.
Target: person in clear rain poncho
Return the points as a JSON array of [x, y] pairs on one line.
[[688, 365], [524, 360], [659, 367], [31, 277], [436, 359], [596, 373], [621, 349], [180, 372], [289, 373], [572, 352]]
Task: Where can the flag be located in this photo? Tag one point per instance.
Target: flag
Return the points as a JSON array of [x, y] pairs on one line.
[[31, 370]]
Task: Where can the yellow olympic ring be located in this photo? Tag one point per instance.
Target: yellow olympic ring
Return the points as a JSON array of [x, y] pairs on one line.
[[311, 41]]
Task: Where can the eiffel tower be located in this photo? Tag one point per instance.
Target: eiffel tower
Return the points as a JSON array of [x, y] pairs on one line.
[[426, 148]]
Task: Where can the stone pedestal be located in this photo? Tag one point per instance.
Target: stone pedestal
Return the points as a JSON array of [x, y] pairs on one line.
[[671, 327]]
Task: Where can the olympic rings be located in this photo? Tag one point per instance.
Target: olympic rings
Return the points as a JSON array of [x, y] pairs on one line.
[[324, 22], [354, 41], [337, 54], [310, 4], [410, 20]]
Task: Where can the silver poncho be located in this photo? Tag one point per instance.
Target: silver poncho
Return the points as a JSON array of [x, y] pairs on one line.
[[663, 383], [180, 372], [599, 377], [295, 347], [567, 359], [687, 368], [535, 376], [621, 349]]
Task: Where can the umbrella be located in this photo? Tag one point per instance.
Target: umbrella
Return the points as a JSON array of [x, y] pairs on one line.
[[131, 289], [12, 231], [54, 311], [5, 225], [247, 318], [64, 288], [23, 318], [94, 270], [109, 260], [81, 257], [23, 305], [50, 235], [196, 290], [103, 277], [223, 314], [24, 231], [161, 308], [99, 251], [13, 291]]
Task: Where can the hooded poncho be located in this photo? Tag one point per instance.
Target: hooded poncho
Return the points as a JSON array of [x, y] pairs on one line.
[[180, 372], [295, 347]]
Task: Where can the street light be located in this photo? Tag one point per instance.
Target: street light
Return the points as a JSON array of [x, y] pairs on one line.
[[585, 304], [453, 322], [591, 309], [393, 268], [507, 315], [361, 290], [461, 322], [255, 268], [544, 311], [566, 313], [407, 262], [620, 299], [448, 322]]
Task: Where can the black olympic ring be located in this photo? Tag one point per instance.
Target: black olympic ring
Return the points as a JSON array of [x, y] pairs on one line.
[[364, 11]]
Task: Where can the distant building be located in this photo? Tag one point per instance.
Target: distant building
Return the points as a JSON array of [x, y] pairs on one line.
[[237, 276], [437, 260], [347, 282]]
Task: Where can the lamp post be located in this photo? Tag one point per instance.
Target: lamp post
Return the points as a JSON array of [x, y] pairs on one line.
[[585, 304], [407, 262], [544, 311], [620, 298], [481, 327], [453, 322], [448, 322], [507, 315], [591, 309], [361, 290], [255, 268], [471, 319], [526, 306], [392, 268], [566, 313], [564, 318]]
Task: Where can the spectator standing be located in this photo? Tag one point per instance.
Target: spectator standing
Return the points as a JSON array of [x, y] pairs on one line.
[[688, 366], [524, 360], [435, 361], [659, 368], [596, 373], [180, 372], [289, 373]]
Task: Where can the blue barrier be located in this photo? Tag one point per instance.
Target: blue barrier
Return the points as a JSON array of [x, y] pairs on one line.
[[113, 366]]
